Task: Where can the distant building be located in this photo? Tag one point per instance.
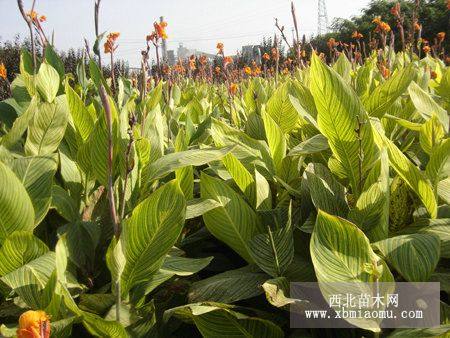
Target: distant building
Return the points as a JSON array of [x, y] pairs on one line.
[[184, 53], [171, 57]]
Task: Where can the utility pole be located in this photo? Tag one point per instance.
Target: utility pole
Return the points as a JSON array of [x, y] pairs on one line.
[[322, 18]]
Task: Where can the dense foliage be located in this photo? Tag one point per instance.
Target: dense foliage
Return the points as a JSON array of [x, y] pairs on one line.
[[221, 199], [183, 200], [10, 57], [433, 16]]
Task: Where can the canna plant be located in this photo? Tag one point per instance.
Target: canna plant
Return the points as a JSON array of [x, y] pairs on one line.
[[187, 210]]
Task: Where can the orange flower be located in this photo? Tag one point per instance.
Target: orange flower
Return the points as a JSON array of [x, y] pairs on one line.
[[219, 48], [233, 88], [247, 70], [285, 71], [110, 42], [357, 35], [256, 71], [227, 60], [275, 53], [448, 5], [34, 324], [331, 43], [42, 18], [203, 60], [382, 27], [441, 36], [385, 72], [395, 11], [192, 65], [160, 29], [32, 15], [266, 57], [417, 27], [426, 49], [3, 72]]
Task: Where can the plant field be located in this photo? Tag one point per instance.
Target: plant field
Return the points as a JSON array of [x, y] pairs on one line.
[[184, 207]]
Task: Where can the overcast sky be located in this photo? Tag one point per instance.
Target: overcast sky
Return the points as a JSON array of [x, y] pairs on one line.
[[198, 24]]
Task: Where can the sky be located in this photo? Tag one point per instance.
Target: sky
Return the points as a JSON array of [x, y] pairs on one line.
[[198, 24]]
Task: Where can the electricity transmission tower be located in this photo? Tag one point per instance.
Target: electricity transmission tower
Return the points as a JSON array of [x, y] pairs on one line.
[[322, 18]]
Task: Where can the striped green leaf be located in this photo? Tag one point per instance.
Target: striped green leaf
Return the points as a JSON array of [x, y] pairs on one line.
[[20, 125], [438, 167], [250, 152], [273, 251], [64, 204], [339, 250], [275, 139], [385, 94], [29, 280], [215, 320], [280, 108], [371, 212], [174, 161], [47, 82], [339, 112], [230, 286], [263, 199], [326, 193], [19, 249], [184, 266], [414, 256], [426, 106], [96, 151], [198, 206], [241, 176], [315, 144], [439, 227], [16, 208], [343, 67], [234, 222], [47, 128], [81, 117], [36, 174], [150, 232], [431, 135], [409, 173], [185, 175]]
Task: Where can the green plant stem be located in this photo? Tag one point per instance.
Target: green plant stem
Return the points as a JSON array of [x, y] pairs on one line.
[[112, 204]]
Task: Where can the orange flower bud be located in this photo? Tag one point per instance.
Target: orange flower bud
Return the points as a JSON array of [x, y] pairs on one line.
[[441, 36], [233, 88], [34, 324], [247, 70], [227, 60], [3, 73]]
